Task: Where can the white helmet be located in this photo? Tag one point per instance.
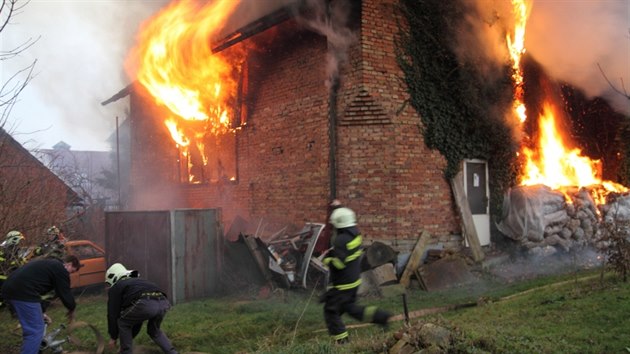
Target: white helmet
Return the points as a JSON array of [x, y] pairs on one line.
[[118, 271], [343, 217], [13, 238]]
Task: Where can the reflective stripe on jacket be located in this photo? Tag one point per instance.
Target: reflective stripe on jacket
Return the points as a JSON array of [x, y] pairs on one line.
[[344, 259]]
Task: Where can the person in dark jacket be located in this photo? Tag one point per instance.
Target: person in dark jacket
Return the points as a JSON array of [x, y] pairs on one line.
[[344, 264], [131, 301], [25, 286]]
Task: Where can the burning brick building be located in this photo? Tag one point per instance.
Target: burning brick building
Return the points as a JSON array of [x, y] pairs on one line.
[[301, 131]]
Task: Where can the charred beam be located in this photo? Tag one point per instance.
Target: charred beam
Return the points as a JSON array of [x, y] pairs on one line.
[[253, 28]]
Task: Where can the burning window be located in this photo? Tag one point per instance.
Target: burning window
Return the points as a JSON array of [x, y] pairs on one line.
[[173, 59]]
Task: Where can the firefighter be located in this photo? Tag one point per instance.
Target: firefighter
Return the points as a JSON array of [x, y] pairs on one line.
[[54, 244], [10, 258], [131, 301], [343, 260]]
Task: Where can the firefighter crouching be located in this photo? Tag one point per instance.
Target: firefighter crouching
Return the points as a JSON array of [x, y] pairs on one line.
[[343, 261], [131, 301]]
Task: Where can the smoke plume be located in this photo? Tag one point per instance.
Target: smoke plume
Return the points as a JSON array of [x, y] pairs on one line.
[[331, 22], [571, 38], [80, 51], [568, 38]]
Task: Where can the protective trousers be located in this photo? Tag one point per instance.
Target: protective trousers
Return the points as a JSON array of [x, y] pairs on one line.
[[338, 302], [145, 309]]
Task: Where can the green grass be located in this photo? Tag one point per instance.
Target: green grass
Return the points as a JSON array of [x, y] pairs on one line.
[[575, 313]]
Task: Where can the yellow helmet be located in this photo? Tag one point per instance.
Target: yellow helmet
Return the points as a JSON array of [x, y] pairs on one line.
[[343, 217], [13, 238], [117, 272], [53, 230]]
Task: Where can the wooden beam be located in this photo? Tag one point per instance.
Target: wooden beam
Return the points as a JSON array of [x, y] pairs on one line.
[[468, 226], [415, 258]]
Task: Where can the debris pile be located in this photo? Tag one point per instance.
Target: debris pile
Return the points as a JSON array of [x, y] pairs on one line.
[[545, 220]]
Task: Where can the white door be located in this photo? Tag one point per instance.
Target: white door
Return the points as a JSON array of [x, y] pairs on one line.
[[477, 193]]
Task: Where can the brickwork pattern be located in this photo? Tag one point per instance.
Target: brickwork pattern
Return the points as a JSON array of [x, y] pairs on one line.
[[385, 172]]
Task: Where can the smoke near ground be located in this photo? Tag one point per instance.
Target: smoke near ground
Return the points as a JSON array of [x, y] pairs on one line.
[[80, 54]]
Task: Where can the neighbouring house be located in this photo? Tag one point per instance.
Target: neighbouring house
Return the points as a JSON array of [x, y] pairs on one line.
[[86, 172], [32, 198], [92, 175], [300, 139]]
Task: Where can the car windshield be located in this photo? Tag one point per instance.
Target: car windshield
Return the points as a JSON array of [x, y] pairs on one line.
[[86, 251]]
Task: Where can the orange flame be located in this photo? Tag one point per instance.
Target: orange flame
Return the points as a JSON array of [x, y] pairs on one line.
[[516, 48], [550, 162], [556, 166], [174, 61]]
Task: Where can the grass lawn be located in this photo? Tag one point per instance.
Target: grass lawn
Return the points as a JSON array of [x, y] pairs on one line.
[[575, 313]]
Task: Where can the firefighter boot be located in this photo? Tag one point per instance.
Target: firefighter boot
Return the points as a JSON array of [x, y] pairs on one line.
[[381, 318]]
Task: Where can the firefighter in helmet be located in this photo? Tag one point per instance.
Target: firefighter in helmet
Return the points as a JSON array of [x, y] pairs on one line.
[[344, 263], [54, 244], [10, 258], [131, 301]]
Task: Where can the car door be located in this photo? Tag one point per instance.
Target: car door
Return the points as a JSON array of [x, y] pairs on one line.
[[92, 258]]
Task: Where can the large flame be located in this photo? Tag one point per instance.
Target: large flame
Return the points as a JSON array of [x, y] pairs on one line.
[[174, 61], [555, 165], [550, 162], [516, 48]]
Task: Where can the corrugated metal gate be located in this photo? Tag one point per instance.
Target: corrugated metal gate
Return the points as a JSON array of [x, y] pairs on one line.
[[180, 250]]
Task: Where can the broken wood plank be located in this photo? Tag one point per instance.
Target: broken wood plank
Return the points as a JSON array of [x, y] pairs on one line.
[[415, 258], [254, 250], [468, 226], [423, 286]]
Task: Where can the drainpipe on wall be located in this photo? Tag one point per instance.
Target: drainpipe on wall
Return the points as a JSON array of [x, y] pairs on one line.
[[119, 203], [332, 136]]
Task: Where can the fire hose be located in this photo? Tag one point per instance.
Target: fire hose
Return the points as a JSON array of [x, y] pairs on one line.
[[52, 343]]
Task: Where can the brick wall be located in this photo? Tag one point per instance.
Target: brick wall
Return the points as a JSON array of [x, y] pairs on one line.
[[385, 172]]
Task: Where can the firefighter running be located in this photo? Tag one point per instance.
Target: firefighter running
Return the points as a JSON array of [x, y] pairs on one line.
[[343, 261], [131, 301]]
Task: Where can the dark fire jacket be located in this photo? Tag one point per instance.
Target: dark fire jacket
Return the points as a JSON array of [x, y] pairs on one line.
[[39, 277], [344, 260], [122, 295]]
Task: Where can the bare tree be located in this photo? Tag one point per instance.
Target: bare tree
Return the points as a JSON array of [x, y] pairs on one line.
[[10, 89], [621, 89], [31, 197]]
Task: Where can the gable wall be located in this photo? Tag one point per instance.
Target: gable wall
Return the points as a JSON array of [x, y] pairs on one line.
[[32, 197], [385, 172]]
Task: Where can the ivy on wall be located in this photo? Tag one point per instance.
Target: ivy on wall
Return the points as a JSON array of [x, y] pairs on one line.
[[461, 107]]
